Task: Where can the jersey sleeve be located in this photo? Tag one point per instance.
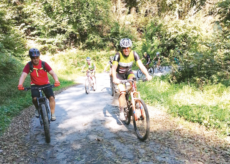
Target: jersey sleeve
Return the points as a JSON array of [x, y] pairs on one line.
[[136, 56], [47, 67], [26, 68], [116, 59]]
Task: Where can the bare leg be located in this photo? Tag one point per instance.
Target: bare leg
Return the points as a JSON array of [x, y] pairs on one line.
[[122, 101], [52, 104]]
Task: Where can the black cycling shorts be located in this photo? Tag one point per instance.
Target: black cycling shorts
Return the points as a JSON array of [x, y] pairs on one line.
[[148, 63], [125, 76], [47, 91]]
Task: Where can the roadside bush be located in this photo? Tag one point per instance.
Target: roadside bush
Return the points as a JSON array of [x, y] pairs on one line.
[[200, 59]]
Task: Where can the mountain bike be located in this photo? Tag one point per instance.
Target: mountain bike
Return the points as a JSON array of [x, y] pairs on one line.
[[43, 110], [90, 82], [141, 75], [136, 108]]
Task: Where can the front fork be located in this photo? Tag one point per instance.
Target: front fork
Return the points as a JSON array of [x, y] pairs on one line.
[[136, 95], [47, 110]]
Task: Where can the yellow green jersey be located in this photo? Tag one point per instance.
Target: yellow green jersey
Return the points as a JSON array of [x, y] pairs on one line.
[[125, 63], [90, 66]]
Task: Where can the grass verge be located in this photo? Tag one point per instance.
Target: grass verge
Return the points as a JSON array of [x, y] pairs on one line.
[[209, 107]]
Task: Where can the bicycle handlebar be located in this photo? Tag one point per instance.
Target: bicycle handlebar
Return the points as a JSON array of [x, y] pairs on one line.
[[28, 88], [128, 80], [131, 80]]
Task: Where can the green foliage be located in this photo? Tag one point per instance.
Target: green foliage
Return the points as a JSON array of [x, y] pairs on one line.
[[118, 32], [12, 44], [11, 40], [68, 23], [198, 54], [73, 61], [209, 108]]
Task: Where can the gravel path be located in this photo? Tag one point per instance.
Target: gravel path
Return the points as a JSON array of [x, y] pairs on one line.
[[88, 130]]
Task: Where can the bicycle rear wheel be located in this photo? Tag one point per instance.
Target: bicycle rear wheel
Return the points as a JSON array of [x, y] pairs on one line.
[[45, 122], [87, 86], [151, 71], [141, 120], [139, 73]]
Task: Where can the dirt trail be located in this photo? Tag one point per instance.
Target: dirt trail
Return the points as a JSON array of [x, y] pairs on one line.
[[88, 130]]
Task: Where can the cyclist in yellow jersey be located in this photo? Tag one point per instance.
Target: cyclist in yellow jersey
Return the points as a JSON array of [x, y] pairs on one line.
[[122, 70]]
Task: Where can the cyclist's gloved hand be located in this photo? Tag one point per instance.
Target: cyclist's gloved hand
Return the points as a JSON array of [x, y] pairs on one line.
[[57, 83], [20, 87]]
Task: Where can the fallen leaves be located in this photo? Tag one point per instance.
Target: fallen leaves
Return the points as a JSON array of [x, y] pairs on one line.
[[190, 141]]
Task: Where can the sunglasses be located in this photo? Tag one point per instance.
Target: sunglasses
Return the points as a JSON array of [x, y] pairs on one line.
[[123, 48], [35, 57]]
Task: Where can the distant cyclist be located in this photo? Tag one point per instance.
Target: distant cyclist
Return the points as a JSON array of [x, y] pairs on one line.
[[147, 59], [91, 67], [110, 64], [157, 60], [122, 70], [38, 74]]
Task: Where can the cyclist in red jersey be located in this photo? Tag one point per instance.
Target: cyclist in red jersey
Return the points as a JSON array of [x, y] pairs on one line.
[[38, 74]]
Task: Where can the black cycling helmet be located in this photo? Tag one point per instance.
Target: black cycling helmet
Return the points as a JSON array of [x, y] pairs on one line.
[[34, 52]]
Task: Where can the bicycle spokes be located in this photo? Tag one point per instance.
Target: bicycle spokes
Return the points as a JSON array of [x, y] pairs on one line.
[[141, 121]]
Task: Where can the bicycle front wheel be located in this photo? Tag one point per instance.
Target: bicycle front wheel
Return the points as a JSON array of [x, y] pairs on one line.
[[45, 122], [87, 86], [94, 84], [139, 73], [128, 113], [141, 120], [112, 86]]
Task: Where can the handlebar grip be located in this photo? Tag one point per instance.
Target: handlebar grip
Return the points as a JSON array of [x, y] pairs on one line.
[[27, 88]]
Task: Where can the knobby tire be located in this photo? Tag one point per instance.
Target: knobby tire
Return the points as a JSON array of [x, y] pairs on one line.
[[45, 123], [87, 86], [95, 84], [112, 86], [144, 136], [151, 71], [128, 113]]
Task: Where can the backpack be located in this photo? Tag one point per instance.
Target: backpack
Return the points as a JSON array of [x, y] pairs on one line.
[[32, 68]]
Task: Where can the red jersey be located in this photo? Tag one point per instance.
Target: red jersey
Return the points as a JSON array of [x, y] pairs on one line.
[[38, 76]]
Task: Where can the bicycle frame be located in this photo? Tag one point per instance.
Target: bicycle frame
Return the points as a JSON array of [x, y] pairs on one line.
[[90, 76], [42, 100], [132, 92]]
